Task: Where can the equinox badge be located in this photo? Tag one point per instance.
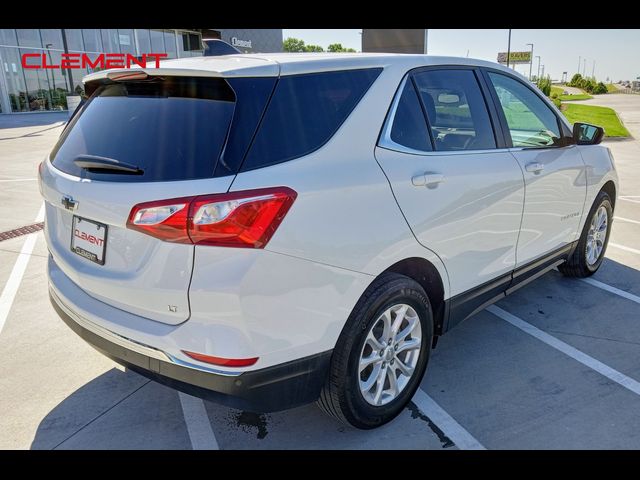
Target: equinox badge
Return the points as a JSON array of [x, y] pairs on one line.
[[69, 203]]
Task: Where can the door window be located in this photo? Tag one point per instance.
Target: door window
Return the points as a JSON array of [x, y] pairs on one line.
[[456, 110], [531, 122]]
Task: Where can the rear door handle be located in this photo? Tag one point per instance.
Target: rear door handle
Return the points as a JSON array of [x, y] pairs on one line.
[[534, 167], [427, 179]]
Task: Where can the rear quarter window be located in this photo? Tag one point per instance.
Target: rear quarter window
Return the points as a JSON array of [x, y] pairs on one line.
[[305, 112]]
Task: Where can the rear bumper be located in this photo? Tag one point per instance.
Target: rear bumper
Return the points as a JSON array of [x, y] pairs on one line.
[[274, 388]]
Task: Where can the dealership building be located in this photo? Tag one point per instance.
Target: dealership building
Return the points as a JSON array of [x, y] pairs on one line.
[[37, 90]]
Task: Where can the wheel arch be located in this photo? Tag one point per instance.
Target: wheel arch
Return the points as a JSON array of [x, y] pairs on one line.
[[427, 275], [610, 188]]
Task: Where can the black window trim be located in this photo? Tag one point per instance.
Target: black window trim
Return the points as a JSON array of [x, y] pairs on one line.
[[384, 138], [566, 135], [497, 126]]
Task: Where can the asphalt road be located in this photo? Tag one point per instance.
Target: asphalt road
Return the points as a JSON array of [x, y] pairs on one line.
[[553, 366]]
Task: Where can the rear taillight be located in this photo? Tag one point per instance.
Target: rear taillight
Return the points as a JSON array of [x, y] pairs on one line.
[[245, 219]]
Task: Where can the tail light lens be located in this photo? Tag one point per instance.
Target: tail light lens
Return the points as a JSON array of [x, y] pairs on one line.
[[246, 219]]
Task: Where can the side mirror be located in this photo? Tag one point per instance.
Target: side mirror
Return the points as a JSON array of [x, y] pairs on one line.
[[586, 134]]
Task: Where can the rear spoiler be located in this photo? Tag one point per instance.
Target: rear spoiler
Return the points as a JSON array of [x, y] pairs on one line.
[[224, 66]]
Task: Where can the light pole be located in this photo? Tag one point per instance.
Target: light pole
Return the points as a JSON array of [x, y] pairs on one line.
[[593, 70], [584, 66], [579, 62], [530, 61], [538, 76], [509, 48], [543, 70]]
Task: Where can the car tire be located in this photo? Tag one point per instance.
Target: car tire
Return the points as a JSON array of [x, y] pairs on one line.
[[374, 317], [583, 262]]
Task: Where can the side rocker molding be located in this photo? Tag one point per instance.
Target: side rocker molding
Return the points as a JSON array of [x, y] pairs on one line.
[[468, 303]]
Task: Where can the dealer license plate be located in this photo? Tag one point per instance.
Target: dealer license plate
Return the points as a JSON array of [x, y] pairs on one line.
[[89, 239]]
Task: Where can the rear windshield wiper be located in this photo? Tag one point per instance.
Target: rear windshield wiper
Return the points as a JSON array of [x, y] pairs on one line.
[[106, 164]]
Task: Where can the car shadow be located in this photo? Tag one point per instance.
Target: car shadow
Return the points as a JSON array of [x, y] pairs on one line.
[[84, 406], [123, 410], [21, 120]]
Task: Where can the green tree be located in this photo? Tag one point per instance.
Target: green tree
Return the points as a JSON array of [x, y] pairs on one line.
[[338, 48], [293, 45], [575, 80], [313, 48]]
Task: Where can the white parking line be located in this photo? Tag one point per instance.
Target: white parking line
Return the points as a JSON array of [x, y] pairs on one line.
[[622, 247], [612, 374], [19, 180], [622, 219], [626, 199], [15, 277], [614, 290], [445, 422], [198, 423]]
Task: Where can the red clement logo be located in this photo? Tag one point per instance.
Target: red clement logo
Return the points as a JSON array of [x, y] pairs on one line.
[[88, 238], [82, 60]]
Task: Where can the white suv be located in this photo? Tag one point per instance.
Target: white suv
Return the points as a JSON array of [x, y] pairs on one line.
[[270, 230]]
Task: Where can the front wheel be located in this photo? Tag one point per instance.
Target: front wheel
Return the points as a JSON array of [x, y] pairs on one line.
[[381, 355], [589, 253]]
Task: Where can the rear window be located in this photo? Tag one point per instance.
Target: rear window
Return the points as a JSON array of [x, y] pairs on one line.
[[304, 113], [171, 129]]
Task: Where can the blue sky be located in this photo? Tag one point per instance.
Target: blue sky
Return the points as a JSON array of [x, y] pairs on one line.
[[616, 52]]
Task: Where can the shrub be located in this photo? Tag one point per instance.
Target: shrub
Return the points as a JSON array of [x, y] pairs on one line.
[[544, 84], [575, 80], [599, 89], [554, 95]]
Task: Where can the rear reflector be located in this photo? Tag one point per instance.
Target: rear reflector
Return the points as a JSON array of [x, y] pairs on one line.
[[223, 362], [246, 219]]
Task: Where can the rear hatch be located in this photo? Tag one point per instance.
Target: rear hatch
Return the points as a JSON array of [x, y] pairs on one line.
[[136, 141]]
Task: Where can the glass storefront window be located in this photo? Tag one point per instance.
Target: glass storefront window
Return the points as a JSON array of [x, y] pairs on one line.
[[92, 39], [14, 77], [58, 81], [189, 44], [8, 37], [127, 41], [52, 38], [144, 42], [74, 39], [157, 41], [76, 76], [110, 40], [170, 43], [29, 38], [47, 89], [38, 86]]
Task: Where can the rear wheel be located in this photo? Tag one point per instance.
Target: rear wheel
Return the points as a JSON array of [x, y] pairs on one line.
[[589, 254], [381, 355]]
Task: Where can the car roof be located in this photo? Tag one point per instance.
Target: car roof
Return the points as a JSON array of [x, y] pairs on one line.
[[278, 64]]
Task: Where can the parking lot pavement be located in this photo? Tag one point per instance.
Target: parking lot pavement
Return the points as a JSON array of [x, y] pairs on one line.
[[552, 366]]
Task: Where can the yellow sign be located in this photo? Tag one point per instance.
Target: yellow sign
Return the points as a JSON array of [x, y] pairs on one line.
[[514, 57]]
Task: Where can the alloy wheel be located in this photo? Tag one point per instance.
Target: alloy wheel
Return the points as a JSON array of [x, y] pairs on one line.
[[390, 354]]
